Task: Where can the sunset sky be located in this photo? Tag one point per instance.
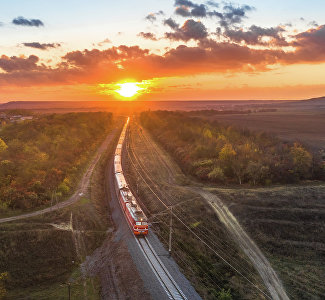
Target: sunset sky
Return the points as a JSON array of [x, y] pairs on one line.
[[174, 50]]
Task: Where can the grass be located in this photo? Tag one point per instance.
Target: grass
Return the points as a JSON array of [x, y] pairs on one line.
[[287, 223], [79, 288]]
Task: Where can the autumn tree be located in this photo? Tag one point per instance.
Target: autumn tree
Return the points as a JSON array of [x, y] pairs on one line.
[[3, 146], [302, 161]]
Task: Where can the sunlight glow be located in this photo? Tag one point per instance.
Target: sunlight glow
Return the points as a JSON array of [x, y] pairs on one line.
[[128, 89]]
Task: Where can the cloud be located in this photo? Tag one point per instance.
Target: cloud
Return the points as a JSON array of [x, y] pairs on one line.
[[310, 46], [148, 36], [187, 8], [27, 22], [42, 46], [153, 16], [254, 35], [190, 30], [234, 15], [229, 14], [14, 63], [208, 56], [171, 23], [182, 11]]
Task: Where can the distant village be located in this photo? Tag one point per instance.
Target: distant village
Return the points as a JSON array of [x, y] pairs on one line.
[[8, 117]]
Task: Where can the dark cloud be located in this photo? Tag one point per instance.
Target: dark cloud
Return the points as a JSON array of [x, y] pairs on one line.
[[254, 35], [185, 3], [27, 22], [199, 11], [182, 11], [153, 16], [234, 15], [310, 45], [14, 63], [229, 14], [187, 8], [42, 46], [148, 36], [171, 23], [190, 30]]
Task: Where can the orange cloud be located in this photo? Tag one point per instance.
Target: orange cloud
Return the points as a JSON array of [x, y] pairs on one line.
[[115, 63]]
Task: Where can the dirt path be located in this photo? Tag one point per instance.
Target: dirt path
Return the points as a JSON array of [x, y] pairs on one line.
[[262, 265], [81, 189]]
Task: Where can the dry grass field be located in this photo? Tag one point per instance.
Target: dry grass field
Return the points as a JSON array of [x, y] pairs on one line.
[[307, 128], [302, 121], [288, 223]]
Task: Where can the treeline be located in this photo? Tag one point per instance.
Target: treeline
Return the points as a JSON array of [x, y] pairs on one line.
[[214, 152], [40, 160]]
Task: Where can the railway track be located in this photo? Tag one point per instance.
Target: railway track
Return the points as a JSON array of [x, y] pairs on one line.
[[166, 280], [163, 276]]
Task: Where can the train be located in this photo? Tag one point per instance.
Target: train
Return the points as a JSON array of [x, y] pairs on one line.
[[134, 215]]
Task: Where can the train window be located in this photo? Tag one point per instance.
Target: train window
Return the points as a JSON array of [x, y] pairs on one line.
[[137, 223], [144, 223]]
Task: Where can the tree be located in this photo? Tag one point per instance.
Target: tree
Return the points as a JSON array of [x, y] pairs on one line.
[[207, 133], [302, 161], [217, 174], [227, 152], [3, 146], [257, 171]]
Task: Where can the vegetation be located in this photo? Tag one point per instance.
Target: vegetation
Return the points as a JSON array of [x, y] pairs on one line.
[[224, 154], [40, 160], [41, 255]]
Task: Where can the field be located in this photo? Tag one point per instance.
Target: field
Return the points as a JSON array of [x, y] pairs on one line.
[[286, 223], [291, 123]]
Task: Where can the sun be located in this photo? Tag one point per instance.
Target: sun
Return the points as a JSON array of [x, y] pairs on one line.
[[128, 89]]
